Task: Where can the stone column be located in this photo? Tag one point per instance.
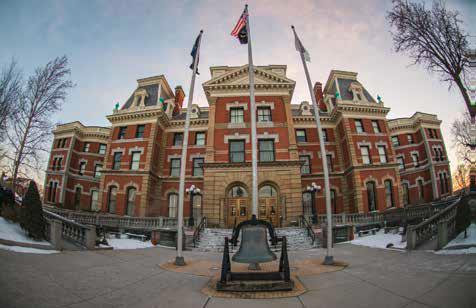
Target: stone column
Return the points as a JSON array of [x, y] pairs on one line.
[[56, 237], [91, 237]]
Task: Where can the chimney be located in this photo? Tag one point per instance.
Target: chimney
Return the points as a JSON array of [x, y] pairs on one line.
[[179, 97], [319, 96]]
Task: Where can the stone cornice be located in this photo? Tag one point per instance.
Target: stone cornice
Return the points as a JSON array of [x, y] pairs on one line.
[[138, 114], [280, 163], [362, 108], [193, 122]]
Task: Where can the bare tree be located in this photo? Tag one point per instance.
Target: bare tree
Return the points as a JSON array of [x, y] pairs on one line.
[[461, 132], [10, 89], [42, 96], [432, 38], [461, 176]]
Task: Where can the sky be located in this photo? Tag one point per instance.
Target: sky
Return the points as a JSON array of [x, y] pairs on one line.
[[111, 44]]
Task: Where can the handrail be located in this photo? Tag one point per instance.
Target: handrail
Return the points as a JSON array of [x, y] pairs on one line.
[[308, 226], [428, 229], [198, 230]]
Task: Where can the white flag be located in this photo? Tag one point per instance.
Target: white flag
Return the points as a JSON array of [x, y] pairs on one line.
[[300, 48]]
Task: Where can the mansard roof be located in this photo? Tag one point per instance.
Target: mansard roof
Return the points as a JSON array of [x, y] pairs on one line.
[[341, 81], [151, 86], [183, 114]]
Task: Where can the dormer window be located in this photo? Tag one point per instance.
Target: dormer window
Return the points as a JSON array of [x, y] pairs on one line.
[[357, 92]]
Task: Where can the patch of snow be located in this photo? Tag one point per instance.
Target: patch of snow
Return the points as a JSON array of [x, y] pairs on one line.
[[465, 251], [13, 232], [122, 243], [379, 240], [460, 240], [27, 249]]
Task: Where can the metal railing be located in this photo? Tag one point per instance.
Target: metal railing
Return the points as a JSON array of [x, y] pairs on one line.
[[309, 229], [196, 234], [442, 220]]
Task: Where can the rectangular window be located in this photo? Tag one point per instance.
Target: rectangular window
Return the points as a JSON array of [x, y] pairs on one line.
[[301, 135], [236, 115], [264, 114], [365, 152], [198, 166], [415, 160], [58, 166], [178, 139], [325, 137], [330, 165], [421, 189], [97, 171], [395, 141], [382, 154], [54, 164], [359, 127], [237, 151], [82, 168], [135, 159], [116, 164], [140, 131], [58, 143], [200, 138], [376, 127], [86, 147], [430, 132], [306, 167], [401, 163], [266, 150], [410, 138], [175, 167], [102, 149], [122, 132]]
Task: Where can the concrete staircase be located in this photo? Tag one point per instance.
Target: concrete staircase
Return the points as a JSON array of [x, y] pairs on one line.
[[214, 239]]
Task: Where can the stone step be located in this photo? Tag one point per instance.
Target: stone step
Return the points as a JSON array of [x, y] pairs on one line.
[[214, 239]]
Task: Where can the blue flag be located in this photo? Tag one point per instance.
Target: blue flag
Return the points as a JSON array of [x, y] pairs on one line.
[[195, 53]]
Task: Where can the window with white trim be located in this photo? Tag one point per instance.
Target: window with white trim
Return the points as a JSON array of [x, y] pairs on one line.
[[365, 152], [376, 127], [359, 127], [175, 167], [237, 115], [382, 153], [264, 114], [135, 159]]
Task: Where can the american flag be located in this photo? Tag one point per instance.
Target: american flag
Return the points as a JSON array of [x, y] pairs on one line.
[[239, 31]]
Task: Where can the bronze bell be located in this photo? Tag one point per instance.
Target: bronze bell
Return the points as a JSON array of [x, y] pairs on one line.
[[254, 246]]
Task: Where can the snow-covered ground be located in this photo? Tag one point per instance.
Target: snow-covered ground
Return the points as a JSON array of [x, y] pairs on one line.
[[27, 250], [13, 232], [379, 240], [125, 243], [467, 242]]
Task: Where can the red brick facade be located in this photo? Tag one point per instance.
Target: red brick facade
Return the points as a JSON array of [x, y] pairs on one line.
[[140, 152]]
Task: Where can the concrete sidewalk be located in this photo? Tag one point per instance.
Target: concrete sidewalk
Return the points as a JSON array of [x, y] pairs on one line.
[[133, 278]]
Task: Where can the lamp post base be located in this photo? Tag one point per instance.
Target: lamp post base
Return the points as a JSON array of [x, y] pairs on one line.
[[179, 261], [328, 260]]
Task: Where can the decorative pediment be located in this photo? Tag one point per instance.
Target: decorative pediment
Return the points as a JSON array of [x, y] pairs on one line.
[[234, 81], [239, 76]]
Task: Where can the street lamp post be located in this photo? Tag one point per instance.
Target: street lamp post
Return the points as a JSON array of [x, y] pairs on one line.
[[313, 188], [192, 190]]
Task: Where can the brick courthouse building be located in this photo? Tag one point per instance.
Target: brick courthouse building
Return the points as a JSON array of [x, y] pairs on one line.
[[133, 166]]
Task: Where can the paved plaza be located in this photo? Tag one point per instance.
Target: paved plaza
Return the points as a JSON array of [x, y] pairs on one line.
[[134, 278]]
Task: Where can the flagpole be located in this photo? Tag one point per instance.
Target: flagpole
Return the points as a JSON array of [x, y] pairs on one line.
[[329, 260], [179, 260], [254, 150]]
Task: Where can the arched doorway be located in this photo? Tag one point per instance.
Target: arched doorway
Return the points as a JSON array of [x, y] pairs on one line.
[[237, 209], [268, 204]]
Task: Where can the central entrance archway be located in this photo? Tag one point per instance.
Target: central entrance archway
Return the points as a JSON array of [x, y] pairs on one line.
[[268, 204], [237, 205]]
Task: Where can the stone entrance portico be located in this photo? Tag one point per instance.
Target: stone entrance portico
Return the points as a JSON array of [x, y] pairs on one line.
[[283, 175]]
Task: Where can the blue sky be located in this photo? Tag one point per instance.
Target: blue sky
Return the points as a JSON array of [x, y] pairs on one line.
[[111, 44]]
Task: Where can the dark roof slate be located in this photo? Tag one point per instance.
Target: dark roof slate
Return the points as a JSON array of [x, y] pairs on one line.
[[151, 100]]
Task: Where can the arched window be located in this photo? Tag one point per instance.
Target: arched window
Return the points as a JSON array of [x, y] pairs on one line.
[[333, 201], [406, 194], [173, 202], [388, 193], [421, 192], [371, 196], [50, 191], [112, 199], [77, 198], [130, 201], [307, 203], [94, 200], [267, 191], [197, 207], [237, 192]]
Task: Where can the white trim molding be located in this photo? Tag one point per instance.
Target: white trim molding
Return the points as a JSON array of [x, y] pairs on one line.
[[237, 136], [236, 104]]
